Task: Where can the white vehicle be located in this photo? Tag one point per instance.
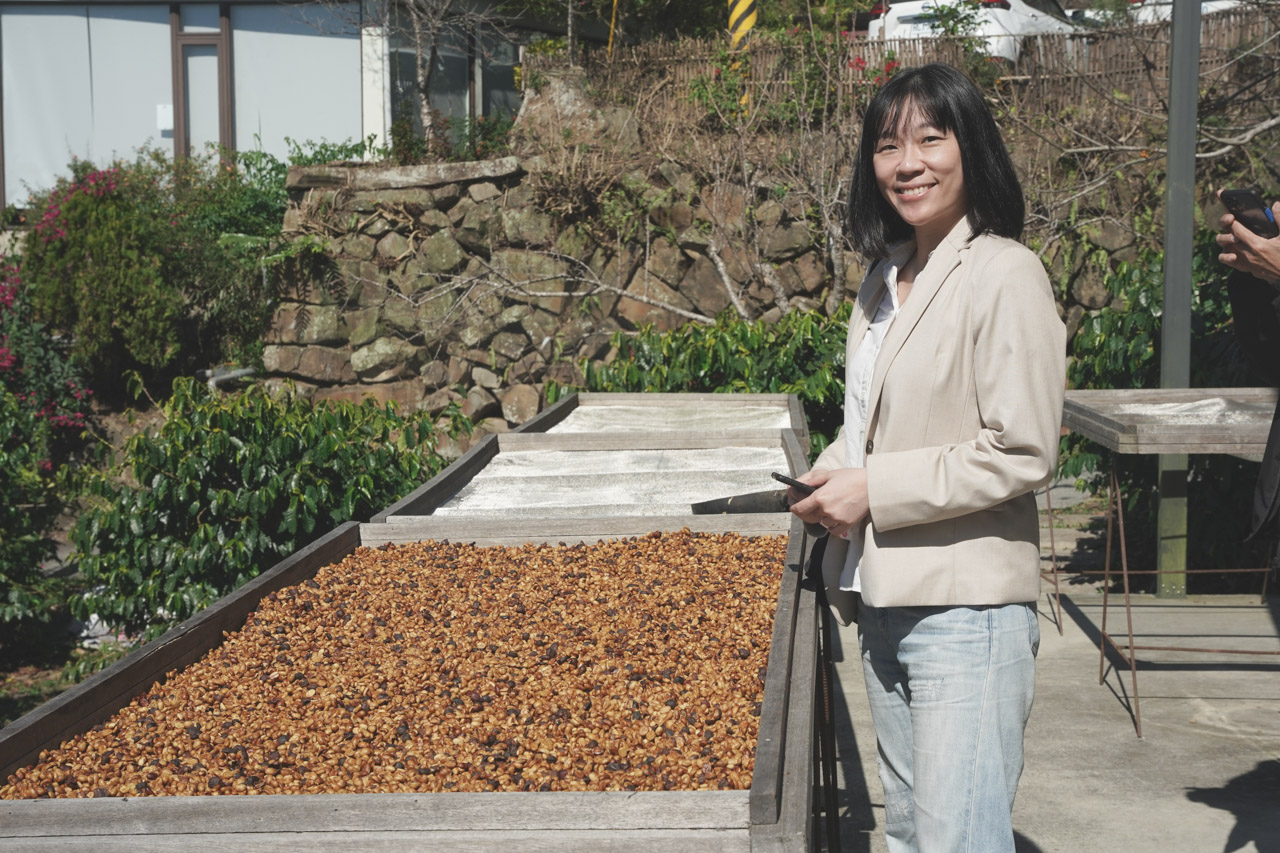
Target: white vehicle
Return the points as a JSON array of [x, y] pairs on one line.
[[1153, 11], [1001, 24]]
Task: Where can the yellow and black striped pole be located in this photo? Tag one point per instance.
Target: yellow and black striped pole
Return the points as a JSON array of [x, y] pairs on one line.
[[742, 17]]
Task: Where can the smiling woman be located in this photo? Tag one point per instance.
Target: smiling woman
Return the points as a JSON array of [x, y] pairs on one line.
[[920, 173], [938, 132], [954, 385]]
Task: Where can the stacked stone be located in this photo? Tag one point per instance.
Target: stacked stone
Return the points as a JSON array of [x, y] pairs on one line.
[[447, 283]]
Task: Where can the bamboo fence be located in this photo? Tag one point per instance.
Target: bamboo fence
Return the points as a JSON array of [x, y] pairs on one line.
[[1128, 63]]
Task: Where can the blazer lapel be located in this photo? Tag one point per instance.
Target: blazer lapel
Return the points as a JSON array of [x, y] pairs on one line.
[[944, 260]]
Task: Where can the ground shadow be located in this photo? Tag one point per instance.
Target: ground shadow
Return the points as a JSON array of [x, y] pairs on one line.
[[1022, 844], [1252, 798], [857, 820], [1115, 663]]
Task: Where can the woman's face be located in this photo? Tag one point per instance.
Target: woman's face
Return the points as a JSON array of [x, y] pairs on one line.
[[918, 171]]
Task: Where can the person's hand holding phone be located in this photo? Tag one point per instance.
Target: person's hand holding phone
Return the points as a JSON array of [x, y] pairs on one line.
[[1243, 247], [839, 504]]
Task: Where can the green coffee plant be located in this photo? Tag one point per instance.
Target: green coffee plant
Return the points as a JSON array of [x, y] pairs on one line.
[[801, 354], [227, 487]]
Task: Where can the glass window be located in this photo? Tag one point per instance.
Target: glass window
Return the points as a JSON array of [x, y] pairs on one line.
[[498, 60]]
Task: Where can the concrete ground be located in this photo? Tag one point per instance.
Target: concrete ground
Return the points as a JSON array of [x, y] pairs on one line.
[[1205, 776]]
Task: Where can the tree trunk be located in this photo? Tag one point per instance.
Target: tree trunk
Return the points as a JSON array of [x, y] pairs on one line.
[[424, 48], [570, 38]]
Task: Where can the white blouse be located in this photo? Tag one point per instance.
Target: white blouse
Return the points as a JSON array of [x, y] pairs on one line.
[[857, 401]]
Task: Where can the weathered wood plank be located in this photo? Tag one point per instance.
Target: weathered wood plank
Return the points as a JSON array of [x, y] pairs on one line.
[[1168, 395], [679, 414], [551, 530], [556, 811], [487, 841], [1173, 420], [639, 489], [547, 483], [1246, 423], [550, 416], [512, 442], [767, 774], [796, 450], [791, 833], [98, 697], [444, 485], [598, 398], [1135, 438], [795, 822], [798, 422]]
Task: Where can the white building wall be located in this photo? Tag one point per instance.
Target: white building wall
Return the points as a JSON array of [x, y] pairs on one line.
[[297, 75], [92, 98], [86, 81], [47, 106], [375, 79]]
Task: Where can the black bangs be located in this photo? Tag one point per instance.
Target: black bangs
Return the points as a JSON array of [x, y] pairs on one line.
[[923, 101]]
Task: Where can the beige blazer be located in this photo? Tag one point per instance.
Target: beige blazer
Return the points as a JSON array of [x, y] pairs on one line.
[[963, 425]]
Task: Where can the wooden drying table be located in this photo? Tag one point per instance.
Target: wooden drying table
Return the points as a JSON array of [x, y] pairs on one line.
[[1233, 421]]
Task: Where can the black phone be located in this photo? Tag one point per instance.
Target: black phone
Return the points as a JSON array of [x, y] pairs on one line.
[[1253, 213], [794, 483]]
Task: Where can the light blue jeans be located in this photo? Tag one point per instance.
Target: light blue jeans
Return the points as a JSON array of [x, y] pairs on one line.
[[950, 691]]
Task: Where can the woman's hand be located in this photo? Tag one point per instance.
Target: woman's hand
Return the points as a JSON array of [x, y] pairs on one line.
[[839, 504], [1245, 251]]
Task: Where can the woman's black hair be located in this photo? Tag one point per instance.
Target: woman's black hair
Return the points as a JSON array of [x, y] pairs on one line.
[[951, 102]]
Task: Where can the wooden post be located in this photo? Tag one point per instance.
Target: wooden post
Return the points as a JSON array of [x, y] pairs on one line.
[[1175, 327]]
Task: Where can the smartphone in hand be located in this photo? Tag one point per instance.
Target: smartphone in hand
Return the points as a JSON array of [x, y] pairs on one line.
[[1252, 212], [794, 483]]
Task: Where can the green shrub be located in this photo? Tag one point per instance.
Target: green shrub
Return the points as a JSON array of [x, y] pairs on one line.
[[42, 421], [29, 506], [123, 259], [35, 368], [162, 265], [481, 137], [227, 487], [801, 354], [246, 192]]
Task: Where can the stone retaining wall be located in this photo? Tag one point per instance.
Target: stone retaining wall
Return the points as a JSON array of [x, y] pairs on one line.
[[449, 283]]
